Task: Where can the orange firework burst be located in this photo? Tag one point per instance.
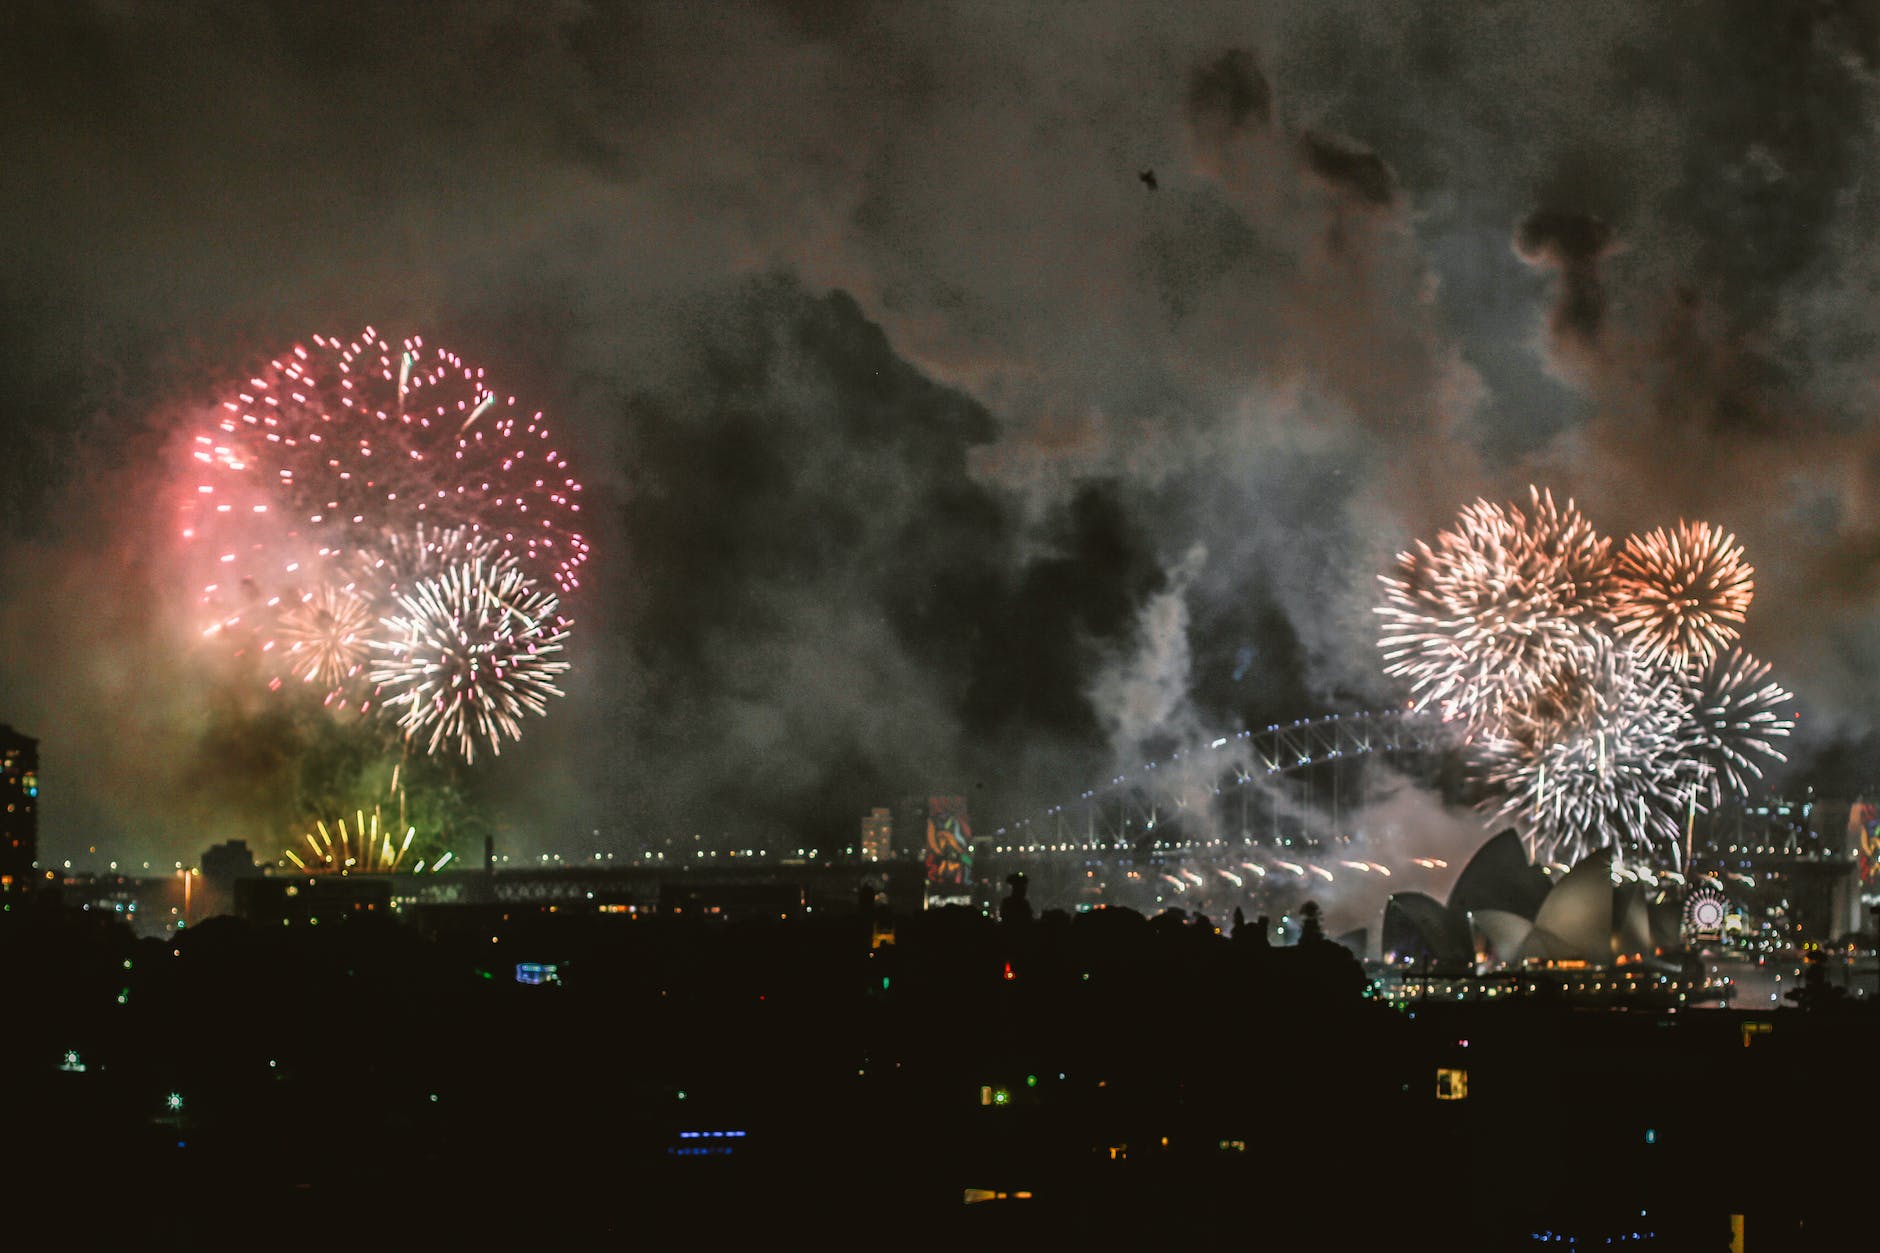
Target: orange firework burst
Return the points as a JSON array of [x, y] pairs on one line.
[[1681, 595]]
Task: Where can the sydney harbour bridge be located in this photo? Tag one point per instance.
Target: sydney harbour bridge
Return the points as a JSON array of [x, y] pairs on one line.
[[1255, 785], [1345, 810], [1217, 817]]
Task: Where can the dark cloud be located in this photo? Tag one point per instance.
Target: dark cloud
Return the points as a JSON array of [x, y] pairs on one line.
[[1226, 96], [1350, 167], [1571, 244], [825, 605]]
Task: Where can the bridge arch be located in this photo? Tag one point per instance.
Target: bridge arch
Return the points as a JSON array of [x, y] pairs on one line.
[[1129, 806]]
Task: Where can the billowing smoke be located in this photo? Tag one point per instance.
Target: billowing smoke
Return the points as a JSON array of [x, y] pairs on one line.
[[1143, 698]]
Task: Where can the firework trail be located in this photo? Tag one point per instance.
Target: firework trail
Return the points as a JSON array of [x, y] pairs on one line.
[[1478, 620], [1733, 718], [468, 655], [1681, 595]]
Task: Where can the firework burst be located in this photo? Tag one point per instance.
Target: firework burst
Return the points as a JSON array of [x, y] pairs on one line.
[[403, 559], [471, 652], [362, 850], [367, 848], [1595, 756], [1479, 619], [1734, 718], [362, 514], [1594, 694], [323, 639], [1681, 595], [338, 442]]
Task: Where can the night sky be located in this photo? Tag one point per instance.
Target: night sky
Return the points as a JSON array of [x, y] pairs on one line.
[[930, 448]]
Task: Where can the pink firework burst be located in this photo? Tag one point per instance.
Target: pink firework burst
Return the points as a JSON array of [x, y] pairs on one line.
[[337, 442]]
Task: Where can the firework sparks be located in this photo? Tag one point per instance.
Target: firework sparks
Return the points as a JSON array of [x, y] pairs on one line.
[[1478, 620], [1681, 595], [1733, 718], [470, 653], [324, 637], [364, 849], [335, 440], [351, 489], [1595, 756], [1596, 699], [402, 559]]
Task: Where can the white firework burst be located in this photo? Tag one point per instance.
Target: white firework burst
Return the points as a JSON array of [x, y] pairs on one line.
[[402, 559], [1595, 757], [471, 652], [1734, 717], [1478, 620]]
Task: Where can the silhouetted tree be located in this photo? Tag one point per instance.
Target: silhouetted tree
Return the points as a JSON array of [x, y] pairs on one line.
[[1816, 992], [1311, 927], [1170, 920], [1016, 908]]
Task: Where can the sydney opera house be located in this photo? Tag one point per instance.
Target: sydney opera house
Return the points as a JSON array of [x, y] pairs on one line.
[[1504, 913]]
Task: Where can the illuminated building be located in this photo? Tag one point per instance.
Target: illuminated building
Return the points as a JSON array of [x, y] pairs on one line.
[[878, 835], [949, 856], [1505, 913], [19, 806]]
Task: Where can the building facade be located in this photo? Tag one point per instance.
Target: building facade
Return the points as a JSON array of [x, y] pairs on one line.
[[878, 835]]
